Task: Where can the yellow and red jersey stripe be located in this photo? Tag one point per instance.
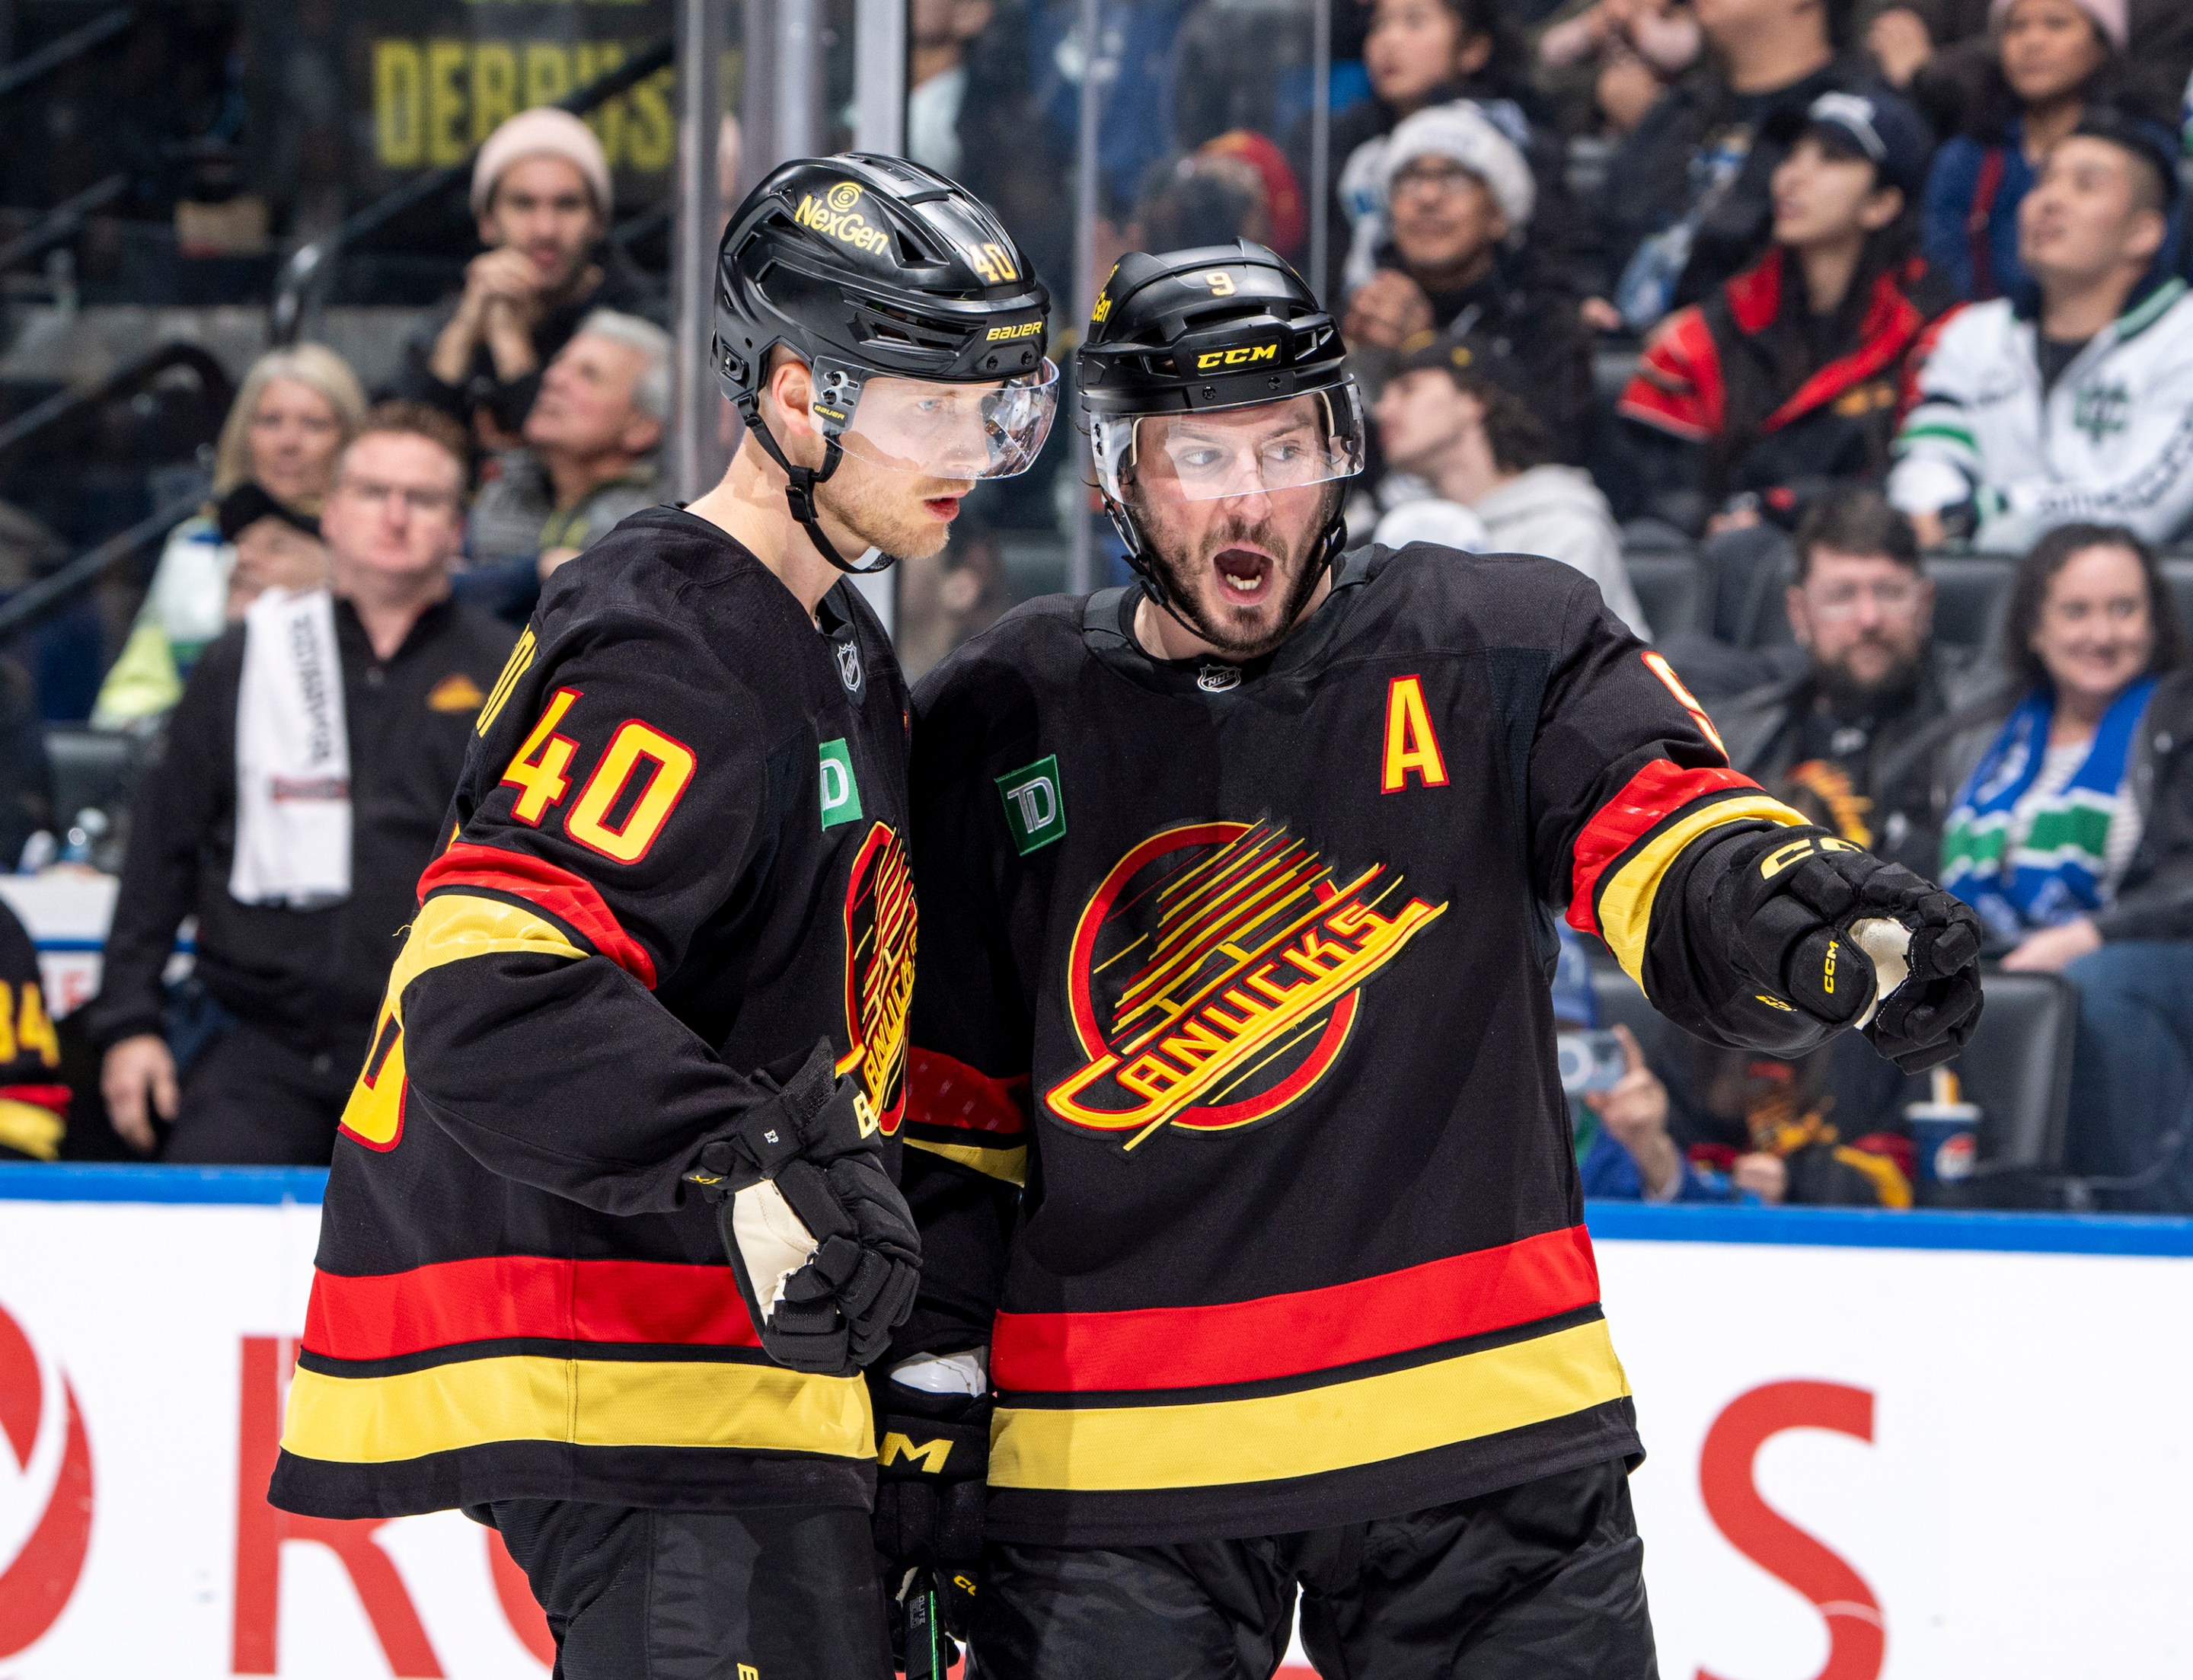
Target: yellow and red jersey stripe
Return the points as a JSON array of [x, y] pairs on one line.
[[1624, 852]]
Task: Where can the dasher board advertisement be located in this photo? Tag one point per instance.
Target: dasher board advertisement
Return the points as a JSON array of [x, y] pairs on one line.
[[1883, 1447]]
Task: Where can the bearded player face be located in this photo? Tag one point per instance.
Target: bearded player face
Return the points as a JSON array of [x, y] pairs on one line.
[[1229, 523]]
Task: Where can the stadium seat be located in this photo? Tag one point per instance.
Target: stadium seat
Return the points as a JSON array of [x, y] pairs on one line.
[[1668, 588], [92, 768], [2018, 1067], [2178, 572], [1970, 593]]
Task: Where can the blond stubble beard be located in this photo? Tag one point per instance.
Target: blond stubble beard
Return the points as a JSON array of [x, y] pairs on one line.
[[871, 502]]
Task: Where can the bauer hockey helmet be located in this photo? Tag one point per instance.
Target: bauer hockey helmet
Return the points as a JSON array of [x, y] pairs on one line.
[[1220, 327], [915, 313]]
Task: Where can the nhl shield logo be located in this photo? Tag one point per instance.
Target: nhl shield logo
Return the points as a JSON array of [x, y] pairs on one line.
[[1215, 974], [1218, 678], [848, 665]]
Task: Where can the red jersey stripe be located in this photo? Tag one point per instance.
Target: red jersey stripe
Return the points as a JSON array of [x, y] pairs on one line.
[[942, 1092], [1651, 796], [1289, 1335], [523, 1295], [54, 1096], [570, 898]]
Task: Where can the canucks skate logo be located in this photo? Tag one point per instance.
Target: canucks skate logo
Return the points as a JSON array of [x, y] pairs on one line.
[[879, 939], [1215, 974]]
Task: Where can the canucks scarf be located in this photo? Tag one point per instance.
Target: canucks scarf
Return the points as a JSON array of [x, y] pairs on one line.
[[2052, 872]]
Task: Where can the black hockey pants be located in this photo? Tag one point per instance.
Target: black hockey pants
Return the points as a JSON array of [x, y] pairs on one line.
[[1539, 1582], [686, 1595]]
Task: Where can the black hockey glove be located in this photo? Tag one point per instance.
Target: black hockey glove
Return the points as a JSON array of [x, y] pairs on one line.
[[932, 1455], [822, 1243], [1848, 940]]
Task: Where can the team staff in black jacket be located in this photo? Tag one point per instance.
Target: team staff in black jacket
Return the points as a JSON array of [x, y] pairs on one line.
[[302, 984], [1234, 1130], [651, 1015]]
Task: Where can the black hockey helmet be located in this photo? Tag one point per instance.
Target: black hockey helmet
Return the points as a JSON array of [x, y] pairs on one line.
[[1222, 327], [892, 283]]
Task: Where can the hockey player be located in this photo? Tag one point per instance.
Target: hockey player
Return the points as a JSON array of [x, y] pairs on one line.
[[1234, 968], [651, 1017]]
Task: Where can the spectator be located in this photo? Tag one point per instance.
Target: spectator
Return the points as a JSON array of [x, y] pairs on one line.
[[1789, 376], [2077, 404], [296, 411], [540, 197], [1946, 56], [1456, 414], [306, 772], [1697, 1124], [2050, 54], [1461, 200], [34, 1097], [1688, 200], [590, 458], [949, 597], [1851, 727], [1419, 54], [2071, 833], [938, 35], [1610, 59]]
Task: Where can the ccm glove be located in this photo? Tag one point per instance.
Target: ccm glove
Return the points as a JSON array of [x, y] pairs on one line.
[[1847, 940], [819, 1238], [933, 1453]]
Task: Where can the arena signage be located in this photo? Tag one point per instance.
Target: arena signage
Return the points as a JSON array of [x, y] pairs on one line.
[[433, 80], [1883, 1447]]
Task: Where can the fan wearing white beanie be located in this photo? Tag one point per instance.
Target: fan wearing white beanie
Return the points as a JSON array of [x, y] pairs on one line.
[[1450, 250], [541, 198]]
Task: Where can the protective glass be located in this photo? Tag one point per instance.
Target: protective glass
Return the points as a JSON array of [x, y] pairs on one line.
[[934, 429], [1252, 449]]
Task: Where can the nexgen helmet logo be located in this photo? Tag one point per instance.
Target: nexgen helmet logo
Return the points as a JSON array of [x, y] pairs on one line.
[[1236, 359], [842, 224]]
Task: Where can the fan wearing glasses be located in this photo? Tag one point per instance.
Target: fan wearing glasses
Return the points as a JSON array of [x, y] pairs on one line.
[[333, 825], [1874, 678]]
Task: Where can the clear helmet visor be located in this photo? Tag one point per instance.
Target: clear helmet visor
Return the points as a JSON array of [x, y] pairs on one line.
[[936, 429], [1253, 449]]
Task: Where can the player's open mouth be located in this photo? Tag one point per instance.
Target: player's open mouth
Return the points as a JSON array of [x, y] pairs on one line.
[[1243, 574], [944, 508]]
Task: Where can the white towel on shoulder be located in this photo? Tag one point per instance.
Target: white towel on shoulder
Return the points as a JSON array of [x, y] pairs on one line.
[[293, 816]]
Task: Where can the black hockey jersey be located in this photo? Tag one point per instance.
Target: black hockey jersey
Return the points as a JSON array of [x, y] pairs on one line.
[[675, 860], [1241, 972]]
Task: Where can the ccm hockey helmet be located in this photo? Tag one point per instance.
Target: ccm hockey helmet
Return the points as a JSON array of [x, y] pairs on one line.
[[915, 311], [1194, 332]]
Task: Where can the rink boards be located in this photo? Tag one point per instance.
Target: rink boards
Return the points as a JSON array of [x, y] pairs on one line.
[[1881, 1445]]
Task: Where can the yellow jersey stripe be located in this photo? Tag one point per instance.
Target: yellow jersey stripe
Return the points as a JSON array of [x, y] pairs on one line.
[[1627, 895], [1218, 1443], [1009, 1165], [586, 1402]]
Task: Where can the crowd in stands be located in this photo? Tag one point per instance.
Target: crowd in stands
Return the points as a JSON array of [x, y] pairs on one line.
[[1811, 292]]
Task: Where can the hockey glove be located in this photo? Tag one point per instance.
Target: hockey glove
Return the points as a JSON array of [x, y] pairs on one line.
[[1848, 940], [933, 1454], [820, 1242]]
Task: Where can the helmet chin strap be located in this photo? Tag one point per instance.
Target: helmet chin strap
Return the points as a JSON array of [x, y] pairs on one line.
[[1153, 584], [799, 490]]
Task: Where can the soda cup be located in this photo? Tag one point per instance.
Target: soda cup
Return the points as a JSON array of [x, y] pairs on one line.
[[1945, 1133]]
